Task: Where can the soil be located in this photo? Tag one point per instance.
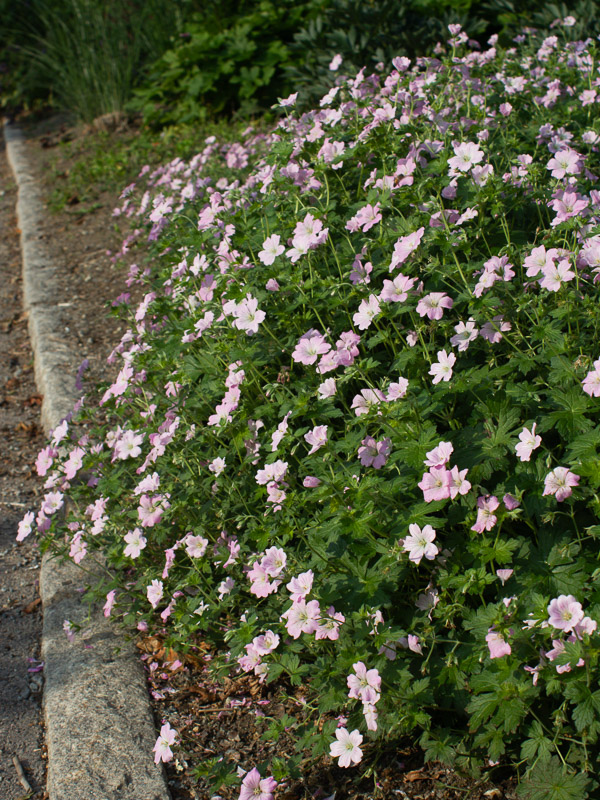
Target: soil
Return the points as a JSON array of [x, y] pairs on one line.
[[235, 722]]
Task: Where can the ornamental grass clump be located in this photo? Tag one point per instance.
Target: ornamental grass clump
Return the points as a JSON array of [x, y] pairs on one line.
[[353, 440]]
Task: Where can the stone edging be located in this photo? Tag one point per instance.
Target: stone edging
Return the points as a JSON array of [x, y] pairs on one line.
[[99, 728]]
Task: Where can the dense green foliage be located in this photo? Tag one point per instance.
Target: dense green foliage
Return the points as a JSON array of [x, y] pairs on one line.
[[354, 435]]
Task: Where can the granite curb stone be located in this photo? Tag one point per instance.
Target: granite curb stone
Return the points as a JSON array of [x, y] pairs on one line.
[[99, 728]]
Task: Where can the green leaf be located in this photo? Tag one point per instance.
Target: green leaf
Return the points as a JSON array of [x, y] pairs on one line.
[[550, 780]]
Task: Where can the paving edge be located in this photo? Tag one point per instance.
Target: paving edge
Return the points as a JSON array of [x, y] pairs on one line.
[[99, 727]]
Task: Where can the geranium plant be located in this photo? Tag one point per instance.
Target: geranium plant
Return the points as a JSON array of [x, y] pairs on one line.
[[353, 435]]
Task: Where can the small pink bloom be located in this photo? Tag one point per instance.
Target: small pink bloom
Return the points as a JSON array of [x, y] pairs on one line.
[[565, 612], [419, 543], [497, 645], [256, 788], [442, 369], [162, 748], [271, 249], [529, 442], [435, 484], [433, 305], [347, 748], [316, 438], [367, 311], [486, 519], [373, 453], [559, 482]]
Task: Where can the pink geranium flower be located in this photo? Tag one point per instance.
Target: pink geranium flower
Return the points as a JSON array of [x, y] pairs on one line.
[[442, 369], [486, 519], [560, 482], [405, 246], [271, 249], [565, 612], [435, 484], [467, 154], [310, 346], [367, 311], [154, 592], [529, 442], [347, 748], [256, 788], [419, 543], [555, 275], [497, 645], [162, 748], [316, 438], [433, 305], [302, 617], [373, 453]]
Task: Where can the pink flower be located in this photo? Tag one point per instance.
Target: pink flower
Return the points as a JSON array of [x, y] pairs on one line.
[[396, 291], [565, 612], [329, 625], [45, 460], [442, 369], [128, 446], [465, 333], [327, 388], [365, 218], [467, 154], [256, 788], [458, 482], [529, 442], [397, 389], [374, 453], [435, 484], [25, 526], [310, 346], [261, 586], [367, 310], [310, 482], [420, 543], [364, 401], [486, 519], [135, 543], [154, 593], [440, 455], [365, 684], [302, 617], [555, 275], [405, 246], [347, 748], [274, 561], [300, 586], [492, 331], [565, 162], [195, 546], [151, 509], [162, 748], [504, 574], [274, 472], [433, 305], [271, 249], [591, 382], [316, 438], [497, 645], [248, 316], [538, 259], [110, 601], [559, 483]]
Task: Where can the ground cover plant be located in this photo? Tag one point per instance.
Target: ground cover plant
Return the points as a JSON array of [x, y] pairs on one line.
[[352, 440]]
